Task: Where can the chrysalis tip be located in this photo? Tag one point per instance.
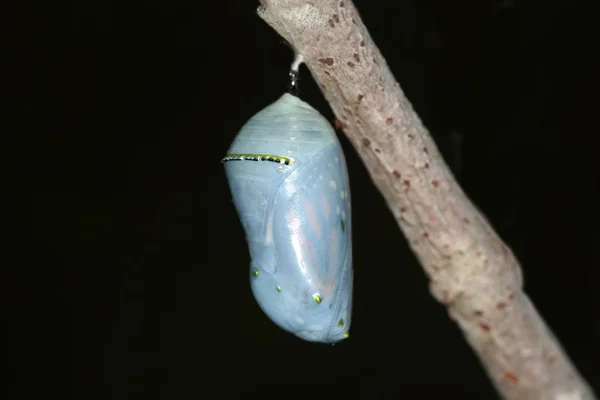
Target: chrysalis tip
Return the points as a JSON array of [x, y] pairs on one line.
[[294, 74], [298, 59]]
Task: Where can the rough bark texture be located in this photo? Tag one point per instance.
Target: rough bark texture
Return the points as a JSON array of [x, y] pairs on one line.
[[471, 270]]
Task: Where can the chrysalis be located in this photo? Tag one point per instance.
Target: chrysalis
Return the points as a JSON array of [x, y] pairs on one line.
[[287, 174]]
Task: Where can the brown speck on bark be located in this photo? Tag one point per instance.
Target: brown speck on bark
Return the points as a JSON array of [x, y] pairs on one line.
[[339, 124], [466, 220], [350, 64], [374, 60], [501, 305], [366, 142], [478, 313], [327, 61], [353, 21], [389, 121], [425, 150], [331, 24], [362, 43], [359, 98], [377, 151], [356, 58], [402, 209], [426, 165], [327, 73], [425, 235], [406, 183], [509, 376], [485, 327], [397, 174], [411, 136], [435, 183], [359, 122], [336, 18], [341, 4], [512, 296], [447, 300]]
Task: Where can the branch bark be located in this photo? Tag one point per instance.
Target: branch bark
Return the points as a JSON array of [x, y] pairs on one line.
[[471, 271]]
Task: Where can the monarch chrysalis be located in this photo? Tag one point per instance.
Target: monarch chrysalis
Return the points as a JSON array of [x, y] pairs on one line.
[[290, 188]]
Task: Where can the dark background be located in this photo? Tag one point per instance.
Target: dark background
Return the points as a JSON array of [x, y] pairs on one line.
[[130, 279]]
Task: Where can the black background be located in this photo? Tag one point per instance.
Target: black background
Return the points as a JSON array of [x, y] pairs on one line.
[[131, 275]]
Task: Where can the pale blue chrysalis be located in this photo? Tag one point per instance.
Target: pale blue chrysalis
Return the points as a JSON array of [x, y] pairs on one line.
[[287, 174]]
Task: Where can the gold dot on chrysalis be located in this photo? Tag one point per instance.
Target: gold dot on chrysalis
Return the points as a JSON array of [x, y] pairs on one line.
[[278, 289], [317, 298], [346, 335], [255, 272], [341, 322]]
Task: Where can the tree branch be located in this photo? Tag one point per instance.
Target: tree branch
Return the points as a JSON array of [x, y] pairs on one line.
[[471, 270]]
